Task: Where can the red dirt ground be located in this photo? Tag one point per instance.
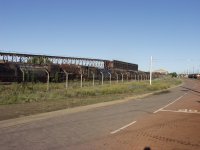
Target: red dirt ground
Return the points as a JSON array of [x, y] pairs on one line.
[[175, 128]]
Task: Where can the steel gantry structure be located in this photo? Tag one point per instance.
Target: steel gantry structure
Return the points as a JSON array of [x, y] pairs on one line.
[[20, 67], [28, 58]]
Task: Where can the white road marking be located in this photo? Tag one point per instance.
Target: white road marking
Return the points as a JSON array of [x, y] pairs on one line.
[[113, 132], [181, 111], [188, 110], [169, 104]]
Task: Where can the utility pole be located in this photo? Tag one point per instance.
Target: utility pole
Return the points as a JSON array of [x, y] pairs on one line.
[[151, 69]]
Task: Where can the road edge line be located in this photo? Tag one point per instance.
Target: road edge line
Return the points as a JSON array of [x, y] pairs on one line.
[[124, 127], [170, 103]]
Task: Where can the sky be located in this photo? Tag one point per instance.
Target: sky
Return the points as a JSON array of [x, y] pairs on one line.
[[126, 30]]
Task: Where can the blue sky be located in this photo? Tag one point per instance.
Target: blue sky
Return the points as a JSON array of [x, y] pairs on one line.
[[126, 30]]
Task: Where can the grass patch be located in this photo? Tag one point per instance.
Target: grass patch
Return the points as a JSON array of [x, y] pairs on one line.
[[28, 99], [28, 93]]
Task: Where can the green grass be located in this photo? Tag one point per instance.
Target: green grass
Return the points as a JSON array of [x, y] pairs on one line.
[[76, 96]]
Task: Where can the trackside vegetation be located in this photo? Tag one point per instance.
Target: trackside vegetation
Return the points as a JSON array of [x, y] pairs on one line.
[[76, 96]]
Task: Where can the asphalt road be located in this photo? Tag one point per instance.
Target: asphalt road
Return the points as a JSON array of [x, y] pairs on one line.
[[66, 131]]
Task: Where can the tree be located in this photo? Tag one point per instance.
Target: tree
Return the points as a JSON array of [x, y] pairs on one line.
[[173, 74]]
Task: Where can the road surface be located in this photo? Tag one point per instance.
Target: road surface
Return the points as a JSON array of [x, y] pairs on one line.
[[168, 120]]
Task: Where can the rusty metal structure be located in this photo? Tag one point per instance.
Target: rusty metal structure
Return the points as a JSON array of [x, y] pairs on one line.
[[120, 65], [18, 66], [44, 59]]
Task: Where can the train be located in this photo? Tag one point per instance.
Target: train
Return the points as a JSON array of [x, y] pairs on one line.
[[194, 76]]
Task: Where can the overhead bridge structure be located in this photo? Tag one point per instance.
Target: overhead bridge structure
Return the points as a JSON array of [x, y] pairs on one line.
[[45, 59], [18, 67]]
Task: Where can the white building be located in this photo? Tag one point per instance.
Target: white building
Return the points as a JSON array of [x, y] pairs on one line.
[[161, 71]]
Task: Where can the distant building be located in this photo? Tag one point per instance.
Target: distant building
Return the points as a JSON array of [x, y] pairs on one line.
[[161, 71]]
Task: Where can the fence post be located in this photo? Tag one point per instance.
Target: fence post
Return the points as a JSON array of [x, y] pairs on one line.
[[81, 80], [117, 78], [101, 78], [22, 74], [67, 78], [93, 76], [110, 77], [47, 79], [122, 77]]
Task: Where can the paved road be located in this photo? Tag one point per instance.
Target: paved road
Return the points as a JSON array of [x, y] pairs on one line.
[[73, 131], [174, 126]]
